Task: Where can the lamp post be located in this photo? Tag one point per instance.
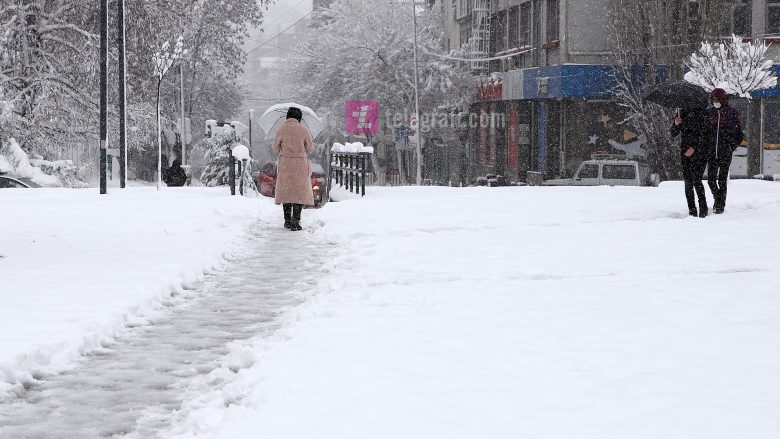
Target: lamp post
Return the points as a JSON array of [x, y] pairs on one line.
[[182, 129], [103, 93], [251, 116], [418, 146], [122, 96]]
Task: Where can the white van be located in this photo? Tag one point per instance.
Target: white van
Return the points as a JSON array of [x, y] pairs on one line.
[[609, 172]]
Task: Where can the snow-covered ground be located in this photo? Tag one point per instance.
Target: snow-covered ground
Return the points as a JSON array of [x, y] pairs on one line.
[[77, 267], [524, 312]]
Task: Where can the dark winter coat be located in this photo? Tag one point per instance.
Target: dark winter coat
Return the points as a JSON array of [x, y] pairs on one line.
[[695, 132], [293, 144], [726, 131], [176, 176], [726, 128]]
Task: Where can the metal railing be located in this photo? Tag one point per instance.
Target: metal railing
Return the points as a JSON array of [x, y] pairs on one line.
[[349, 170]]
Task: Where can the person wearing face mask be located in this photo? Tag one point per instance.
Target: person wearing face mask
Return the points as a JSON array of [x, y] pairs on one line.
[[725, 138]]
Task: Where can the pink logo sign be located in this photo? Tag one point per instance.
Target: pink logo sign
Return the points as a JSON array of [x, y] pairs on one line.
[[362, 117]]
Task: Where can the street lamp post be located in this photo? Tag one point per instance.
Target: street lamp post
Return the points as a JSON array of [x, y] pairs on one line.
[[418, 146], [182, 128], [122, 96], [251, 116], [103, 93]]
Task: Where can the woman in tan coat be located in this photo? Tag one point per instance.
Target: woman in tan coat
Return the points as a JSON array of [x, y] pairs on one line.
[[293, 144]]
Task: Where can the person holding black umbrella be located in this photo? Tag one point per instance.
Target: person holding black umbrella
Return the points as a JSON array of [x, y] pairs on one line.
[[693, 127], [726, 135]]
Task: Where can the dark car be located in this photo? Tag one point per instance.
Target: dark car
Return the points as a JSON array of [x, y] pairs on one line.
[[266, 181], [7, 181]]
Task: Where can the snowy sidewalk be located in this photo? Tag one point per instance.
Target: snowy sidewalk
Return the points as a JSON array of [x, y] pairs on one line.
[[76, 267], [133, 385], [549, 313]]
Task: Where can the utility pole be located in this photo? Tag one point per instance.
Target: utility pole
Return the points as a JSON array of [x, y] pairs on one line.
[[181, 95], [251, 114], [183, 124], [122, 97], [418, 147], [103, 93]]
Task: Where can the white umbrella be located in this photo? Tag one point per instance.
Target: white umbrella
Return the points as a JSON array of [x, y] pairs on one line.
[[275, 116]]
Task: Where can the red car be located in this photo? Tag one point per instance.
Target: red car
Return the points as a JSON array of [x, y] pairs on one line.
[[266, 181]]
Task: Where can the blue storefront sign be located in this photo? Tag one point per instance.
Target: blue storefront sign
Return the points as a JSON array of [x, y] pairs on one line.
[[568, 81]]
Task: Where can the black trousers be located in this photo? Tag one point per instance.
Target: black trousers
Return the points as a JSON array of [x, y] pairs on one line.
[[693, 172], [292, 212], [718, 178]]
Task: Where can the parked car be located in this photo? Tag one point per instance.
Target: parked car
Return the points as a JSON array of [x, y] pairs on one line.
[[266, 181], [7, 182], [610, 172]]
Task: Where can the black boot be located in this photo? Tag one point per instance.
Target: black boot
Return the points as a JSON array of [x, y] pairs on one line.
[[703, 211], [296, 217], [288, 208]]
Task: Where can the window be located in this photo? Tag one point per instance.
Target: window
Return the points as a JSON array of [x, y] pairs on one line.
[[512, 33], [465, 33], [589, 171], [498, 32], [694, 22], [7, 183], [741, 17], [463, 8], [619, 172], [773, 17], [524, 36], [536, 33], [553, 13], [269, 169]]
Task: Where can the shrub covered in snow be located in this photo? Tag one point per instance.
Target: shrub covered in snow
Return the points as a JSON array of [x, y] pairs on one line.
[[739, 67], [13, 160], [215, 154], [68, 174]]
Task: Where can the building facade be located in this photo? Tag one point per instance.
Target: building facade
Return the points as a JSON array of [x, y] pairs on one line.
[[549, 84]]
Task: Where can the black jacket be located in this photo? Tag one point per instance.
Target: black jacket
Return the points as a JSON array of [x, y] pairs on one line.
[[726, 135], [695, 132], [175, 176]]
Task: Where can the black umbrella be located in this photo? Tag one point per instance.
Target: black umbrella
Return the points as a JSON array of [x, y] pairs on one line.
[[680, 94]]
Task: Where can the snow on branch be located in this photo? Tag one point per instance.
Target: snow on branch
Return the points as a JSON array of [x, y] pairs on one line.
[[738, 67], [165, 57]]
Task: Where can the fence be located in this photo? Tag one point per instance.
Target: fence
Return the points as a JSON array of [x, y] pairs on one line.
[[349, 170]]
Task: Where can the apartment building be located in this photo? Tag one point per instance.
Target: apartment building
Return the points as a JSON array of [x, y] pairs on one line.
[[552, 84]]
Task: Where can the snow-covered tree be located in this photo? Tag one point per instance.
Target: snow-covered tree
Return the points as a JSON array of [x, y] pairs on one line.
[[737, 66], [48, 54], [215, 155], [49, 69], [163, 60], [364, 50], [650, 41]]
